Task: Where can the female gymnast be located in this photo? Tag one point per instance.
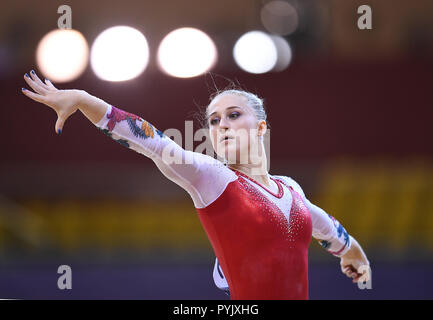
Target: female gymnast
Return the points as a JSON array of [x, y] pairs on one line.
[[259, 225]]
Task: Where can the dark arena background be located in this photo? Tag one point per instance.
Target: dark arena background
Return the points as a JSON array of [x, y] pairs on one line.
[[350, 111]]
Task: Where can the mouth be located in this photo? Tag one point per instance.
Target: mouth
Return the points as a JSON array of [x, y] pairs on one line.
[[226, 138]]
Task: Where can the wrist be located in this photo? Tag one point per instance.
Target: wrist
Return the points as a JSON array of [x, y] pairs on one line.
[[355, 251], [353, 248], [92, 107], [82, 97]]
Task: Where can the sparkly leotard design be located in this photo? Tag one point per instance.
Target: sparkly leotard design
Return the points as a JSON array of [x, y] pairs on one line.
[[263, 255], [260, 238]]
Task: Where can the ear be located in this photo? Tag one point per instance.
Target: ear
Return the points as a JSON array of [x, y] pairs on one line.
[[262, 127]]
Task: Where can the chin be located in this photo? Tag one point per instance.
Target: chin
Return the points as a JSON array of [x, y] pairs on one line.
[[231, 153]]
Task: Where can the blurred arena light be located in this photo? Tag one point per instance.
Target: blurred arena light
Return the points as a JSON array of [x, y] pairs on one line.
[[186, 53], [279, 17], [119, 53], [62, 55], [255, 52], [284, 53]]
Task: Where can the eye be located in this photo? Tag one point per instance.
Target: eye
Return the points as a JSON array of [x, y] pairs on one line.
[[213, 121], [234, 115]]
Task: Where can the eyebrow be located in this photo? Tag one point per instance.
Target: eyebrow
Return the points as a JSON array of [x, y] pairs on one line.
[[226, 109]]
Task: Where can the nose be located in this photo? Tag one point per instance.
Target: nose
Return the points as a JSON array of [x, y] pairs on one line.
[[223, 124], [222, 129]]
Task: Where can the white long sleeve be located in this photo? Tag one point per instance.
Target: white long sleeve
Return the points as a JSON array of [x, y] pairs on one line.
[[190, 170]]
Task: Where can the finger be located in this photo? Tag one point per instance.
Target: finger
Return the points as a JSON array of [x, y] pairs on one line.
[[350, 273], [34, 96], [356, 278], [50, 84], [34, 85], [351, 267], [347, 269], [59, 125], [37, 80], [365, 276]]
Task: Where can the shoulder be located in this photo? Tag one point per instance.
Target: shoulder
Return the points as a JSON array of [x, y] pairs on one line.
[[291, 182]]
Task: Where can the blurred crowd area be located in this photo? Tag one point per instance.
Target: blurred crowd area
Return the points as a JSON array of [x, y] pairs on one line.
[[350, 122]]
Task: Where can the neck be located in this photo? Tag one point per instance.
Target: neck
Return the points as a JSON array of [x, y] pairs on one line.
[[254, 171]]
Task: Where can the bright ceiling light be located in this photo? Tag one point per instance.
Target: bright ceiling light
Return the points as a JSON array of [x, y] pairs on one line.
[[186, 52], [62, 55], [119, 53], [255, 52]]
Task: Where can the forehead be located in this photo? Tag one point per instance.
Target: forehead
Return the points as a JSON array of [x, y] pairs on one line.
[[220, 103]]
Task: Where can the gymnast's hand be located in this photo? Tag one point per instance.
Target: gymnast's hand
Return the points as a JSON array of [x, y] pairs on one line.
[[354, 263], [63, 102]]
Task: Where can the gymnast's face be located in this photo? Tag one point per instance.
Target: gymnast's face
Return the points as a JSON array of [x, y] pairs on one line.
[[234, 128]]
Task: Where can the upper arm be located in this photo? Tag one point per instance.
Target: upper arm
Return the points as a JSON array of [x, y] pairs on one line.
[[190, 170]]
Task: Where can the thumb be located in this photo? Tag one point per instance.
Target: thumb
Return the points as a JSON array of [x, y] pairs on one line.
[[59, 124]]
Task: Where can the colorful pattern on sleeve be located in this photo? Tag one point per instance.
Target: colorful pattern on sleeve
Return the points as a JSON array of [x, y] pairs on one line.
[[343, 238], [144, 131], [134, 128]]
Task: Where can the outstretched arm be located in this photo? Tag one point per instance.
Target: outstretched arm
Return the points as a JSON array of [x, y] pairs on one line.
[[190, 170]]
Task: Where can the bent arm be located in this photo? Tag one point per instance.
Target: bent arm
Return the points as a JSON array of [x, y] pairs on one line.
[[333, 237]]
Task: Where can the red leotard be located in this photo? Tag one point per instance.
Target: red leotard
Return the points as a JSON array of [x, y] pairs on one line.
[[262, 256]]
